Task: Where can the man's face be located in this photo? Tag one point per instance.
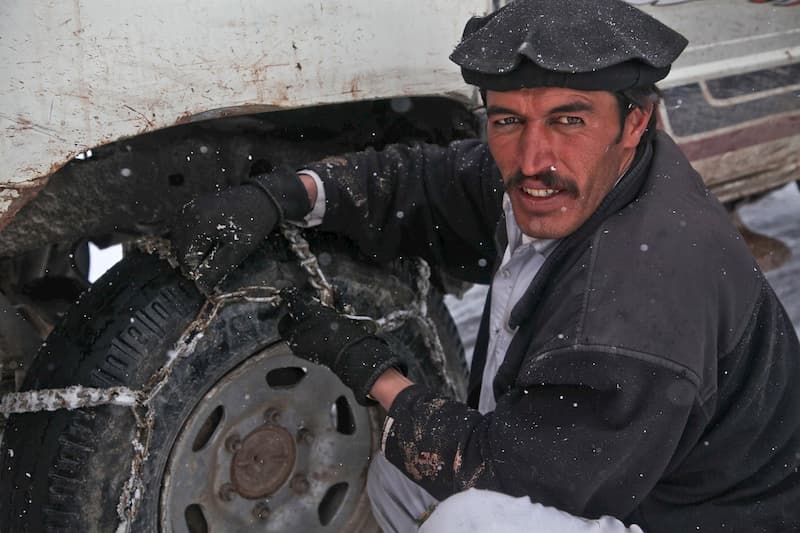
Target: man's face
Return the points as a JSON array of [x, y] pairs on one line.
[[560, 152]]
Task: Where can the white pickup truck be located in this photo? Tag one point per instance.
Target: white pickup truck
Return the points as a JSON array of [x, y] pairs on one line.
[[155, 410]]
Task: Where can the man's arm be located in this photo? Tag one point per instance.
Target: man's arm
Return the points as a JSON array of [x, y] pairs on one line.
[[590, 431], [440, 203], [588, 446], [214, 233], [388, 386], [311, 187]]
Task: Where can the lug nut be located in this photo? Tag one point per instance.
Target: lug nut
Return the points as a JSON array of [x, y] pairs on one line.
[[261, 511], [272, 415], [304, 435], [233, 443], [226, 492], [300, 484]]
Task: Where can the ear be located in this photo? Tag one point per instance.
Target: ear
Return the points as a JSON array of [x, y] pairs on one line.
[[635, 125]]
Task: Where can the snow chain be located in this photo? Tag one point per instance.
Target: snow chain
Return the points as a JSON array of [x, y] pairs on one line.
[[140, 400]]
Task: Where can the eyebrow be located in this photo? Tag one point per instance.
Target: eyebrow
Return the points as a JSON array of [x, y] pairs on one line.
[[571, 107], [499, 110]]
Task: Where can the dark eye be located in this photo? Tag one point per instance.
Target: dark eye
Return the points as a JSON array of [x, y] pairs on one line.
[[569, 121], [506, 121]]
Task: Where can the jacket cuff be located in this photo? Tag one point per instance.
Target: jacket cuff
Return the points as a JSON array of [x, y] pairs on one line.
[[317, 213], [401, 408], [286, 191]]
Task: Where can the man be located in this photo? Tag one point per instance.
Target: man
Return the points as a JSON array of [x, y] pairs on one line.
[[632, 361]]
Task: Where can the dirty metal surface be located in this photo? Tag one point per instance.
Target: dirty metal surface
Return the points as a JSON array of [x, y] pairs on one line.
[[752, 170], [728, 37], [85, 74], [82, 74], [13, 198], [263, 461], [271, 459], [740, 131], [136, 186]]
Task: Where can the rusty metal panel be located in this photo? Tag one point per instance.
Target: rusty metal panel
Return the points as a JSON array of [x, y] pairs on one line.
[[752, 170], [81, 74]]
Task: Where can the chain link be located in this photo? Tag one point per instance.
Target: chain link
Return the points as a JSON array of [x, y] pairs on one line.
[[67, 398], [418, 310], [308, 261], [419, 313], [133, 490]]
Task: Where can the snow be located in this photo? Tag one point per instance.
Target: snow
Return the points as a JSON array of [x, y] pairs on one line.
[[101, 259], [67, 398], [776, 215]]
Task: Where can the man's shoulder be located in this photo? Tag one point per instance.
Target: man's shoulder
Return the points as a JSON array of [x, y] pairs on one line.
[[670, 274], [675, 224]]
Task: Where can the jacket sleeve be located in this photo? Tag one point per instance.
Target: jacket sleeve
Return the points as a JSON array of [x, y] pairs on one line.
[[562, 435], [439, 203]]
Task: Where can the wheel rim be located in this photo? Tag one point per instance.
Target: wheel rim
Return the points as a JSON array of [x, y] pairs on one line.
[[277, 444]]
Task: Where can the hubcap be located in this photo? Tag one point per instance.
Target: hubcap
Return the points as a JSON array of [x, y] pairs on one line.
[[277, 444], [263, 463]]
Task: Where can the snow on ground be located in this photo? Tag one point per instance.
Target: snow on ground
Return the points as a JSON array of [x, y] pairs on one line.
[[776, 215]]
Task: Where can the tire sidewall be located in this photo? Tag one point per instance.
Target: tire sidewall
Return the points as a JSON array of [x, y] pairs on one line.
[[148, 334]]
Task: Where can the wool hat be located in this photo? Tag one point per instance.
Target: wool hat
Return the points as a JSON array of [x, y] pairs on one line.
[[580, 44]]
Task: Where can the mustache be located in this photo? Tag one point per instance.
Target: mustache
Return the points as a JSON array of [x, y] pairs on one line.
[[549, 179]]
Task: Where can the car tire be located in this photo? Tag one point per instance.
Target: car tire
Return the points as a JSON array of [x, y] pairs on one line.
[[245, 437]]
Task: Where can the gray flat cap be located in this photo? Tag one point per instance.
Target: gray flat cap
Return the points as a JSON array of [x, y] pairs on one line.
[[580, 44]]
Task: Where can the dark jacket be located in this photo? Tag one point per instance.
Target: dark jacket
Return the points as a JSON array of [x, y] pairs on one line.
[[654, 377]]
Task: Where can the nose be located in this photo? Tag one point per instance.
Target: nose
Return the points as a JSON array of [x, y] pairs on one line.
[[536, 150]]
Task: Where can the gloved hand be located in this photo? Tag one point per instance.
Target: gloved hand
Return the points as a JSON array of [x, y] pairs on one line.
[[345, 345], [216, 232]]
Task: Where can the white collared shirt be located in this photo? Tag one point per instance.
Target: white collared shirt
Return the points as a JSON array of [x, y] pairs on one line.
[[522, 259], [313, 217]]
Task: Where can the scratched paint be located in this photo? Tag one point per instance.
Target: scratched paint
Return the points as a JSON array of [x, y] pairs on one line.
[[85, 73]]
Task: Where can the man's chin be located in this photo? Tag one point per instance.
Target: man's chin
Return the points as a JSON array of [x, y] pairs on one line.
[[543, 230]]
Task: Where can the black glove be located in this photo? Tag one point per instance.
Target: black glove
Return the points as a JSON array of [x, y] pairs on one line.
[[214, 233], [345, 345]]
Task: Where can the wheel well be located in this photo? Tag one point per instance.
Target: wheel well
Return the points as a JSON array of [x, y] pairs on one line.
[[134, 186]]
